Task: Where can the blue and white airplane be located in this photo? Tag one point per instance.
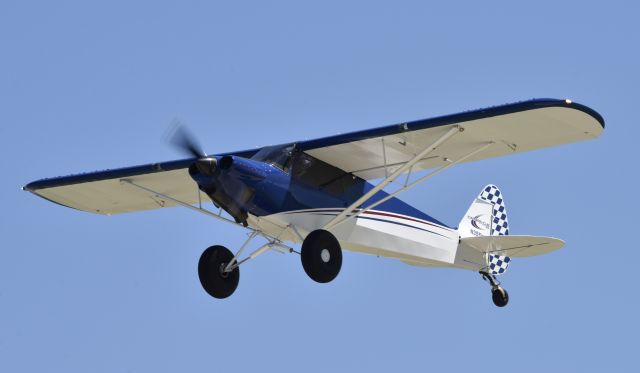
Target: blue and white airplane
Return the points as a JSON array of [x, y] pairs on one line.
[[317, 192]]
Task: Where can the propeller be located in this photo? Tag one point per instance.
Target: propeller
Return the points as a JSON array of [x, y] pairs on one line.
[[182, 139]]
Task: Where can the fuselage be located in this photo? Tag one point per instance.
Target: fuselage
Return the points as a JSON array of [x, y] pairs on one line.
[[279, 188]]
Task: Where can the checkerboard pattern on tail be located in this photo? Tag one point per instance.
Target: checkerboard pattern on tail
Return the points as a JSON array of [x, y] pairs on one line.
[[499, 226], [498, 264]]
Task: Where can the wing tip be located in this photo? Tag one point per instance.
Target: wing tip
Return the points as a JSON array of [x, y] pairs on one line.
[[555, 102], [31, 187], [585, 109]]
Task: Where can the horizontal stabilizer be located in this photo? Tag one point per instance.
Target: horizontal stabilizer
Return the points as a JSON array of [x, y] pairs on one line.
[[515, 246]]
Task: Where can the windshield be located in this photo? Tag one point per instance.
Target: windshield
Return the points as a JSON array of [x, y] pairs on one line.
[[277, 155]]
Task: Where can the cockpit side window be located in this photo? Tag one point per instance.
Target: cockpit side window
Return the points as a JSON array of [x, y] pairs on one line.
[[322, 175], [278, 156]]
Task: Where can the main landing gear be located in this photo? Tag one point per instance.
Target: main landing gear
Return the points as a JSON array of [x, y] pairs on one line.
[[219, 269], [214, 275], [321, 256], [498, 293]]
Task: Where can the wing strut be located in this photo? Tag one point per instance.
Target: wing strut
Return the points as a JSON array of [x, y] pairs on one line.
[[455, 130], [184, 204], [420, 180]]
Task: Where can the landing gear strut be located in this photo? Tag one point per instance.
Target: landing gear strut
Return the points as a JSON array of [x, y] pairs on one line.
[[321, 256], [219, 269], [498, 293]]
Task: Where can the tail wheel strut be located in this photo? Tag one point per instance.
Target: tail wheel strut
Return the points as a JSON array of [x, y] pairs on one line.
[[499, 295]]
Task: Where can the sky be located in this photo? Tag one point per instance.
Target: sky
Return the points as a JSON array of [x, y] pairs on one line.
[[94, 85]]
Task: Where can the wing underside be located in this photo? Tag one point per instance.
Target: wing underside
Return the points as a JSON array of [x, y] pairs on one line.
[[369, 154], [104, 192], [523, 129]]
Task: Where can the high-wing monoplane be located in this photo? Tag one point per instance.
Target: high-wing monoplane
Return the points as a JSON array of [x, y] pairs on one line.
[[328, 194]]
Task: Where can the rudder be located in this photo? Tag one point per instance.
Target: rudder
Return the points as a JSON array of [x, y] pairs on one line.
[[487, 216]]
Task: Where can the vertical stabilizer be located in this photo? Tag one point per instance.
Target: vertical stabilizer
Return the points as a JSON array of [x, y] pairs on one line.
[[487, 216]]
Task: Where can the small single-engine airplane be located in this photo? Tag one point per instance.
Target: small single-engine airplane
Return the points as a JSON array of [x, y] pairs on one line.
[[316, 192]]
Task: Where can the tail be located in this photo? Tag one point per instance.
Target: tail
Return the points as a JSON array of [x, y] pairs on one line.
[[487, 216]]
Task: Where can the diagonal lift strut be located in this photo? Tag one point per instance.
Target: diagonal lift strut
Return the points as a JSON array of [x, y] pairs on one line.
[[453, 131]]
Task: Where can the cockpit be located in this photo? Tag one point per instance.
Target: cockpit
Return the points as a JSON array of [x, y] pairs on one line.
[[276, 155], [308, 169]]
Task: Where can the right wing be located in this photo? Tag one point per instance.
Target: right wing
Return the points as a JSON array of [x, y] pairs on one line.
[[513, 128]]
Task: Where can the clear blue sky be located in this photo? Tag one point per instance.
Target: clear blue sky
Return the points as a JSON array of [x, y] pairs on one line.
[[87, 86]]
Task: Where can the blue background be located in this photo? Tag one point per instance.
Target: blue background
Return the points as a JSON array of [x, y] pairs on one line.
[[87, 86]]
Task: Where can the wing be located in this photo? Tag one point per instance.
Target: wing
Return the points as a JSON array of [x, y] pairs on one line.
[[102, 192], [514, 246], [513, 128]]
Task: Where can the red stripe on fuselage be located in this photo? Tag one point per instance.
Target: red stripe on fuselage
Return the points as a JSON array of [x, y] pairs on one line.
[[380, 213]]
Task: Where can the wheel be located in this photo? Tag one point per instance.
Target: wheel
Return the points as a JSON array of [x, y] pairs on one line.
[[214, 280], [321, 256], [500, 297]]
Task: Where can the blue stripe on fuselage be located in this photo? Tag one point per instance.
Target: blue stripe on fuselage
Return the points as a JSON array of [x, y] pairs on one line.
[[386, 221]]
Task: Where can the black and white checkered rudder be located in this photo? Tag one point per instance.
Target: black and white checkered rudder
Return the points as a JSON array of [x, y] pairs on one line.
[[498, 264], [499, 227], [499, 223]]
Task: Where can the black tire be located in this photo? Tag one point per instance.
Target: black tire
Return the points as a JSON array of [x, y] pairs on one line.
[[321, 256], [215, 282], [500, 297]]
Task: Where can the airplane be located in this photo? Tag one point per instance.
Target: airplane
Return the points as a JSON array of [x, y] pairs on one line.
[[328, 194]]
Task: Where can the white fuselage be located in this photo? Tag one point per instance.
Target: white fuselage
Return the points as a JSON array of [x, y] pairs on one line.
[[412, 240]]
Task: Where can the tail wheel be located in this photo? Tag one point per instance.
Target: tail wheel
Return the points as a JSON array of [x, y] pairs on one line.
[[211, 270], [321, 256], [500, 296]]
